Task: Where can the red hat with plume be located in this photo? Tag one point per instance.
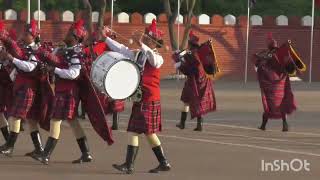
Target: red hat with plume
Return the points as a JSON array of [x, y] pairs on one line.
[[32, 28], [2, 28], [193, 38], [272, 43], [153, 31], [78, 29]]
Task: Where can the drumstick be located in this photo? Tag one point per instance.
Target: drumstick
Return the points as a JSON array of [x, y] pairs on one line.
[[131, 40], [121, 36]]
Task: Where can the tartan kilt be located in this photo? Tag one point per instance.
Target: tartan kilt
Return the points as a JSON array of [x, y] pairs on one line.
[[205, 102], [6, 95], [65, 105], [23, 100], [145, 118], [277, 97]]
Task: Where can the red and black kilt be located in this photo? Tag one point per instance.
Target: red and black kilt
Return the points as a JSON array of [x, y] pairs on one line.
[[205, 102], [277, 97], [65, 106], [22, 102], [145, 118], [199, 95]]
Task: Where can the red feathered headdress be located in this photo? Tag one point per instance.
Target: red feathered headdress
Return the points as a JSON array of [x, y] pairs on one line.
[[32, 28], [78, 29], [2, 28], [193, 38], [272, 43], [153, 31]]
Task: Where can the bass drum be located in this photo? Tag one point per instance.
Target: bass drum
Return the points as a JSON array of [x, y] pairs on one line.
[[115, 75]]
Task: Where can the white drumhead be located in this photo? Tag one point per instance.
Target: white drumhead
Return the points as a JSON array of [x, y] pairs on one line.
[[122, 80]]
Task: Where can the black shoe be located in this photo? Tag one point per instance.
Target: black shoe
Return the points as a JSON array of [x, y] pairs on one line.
[[165, 166], [36, 140], [84, 147], [5, 132], [83, 159], [8, 147], [163, 162], [115, 119], [45, 156], [199, 124], [285, 126], [264, 123], [128, 166], [183, 119]]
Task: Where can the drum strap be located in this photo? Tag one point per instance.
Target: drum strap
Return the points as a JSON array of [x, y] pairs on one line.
[[141, 59]]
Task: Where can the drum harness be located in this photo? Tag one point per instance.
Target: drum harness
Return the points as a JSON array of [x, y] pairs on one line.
[[140, 60]]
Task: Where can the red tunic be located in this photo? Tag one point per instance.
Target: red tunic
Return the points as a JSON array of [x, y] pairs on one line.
[[198, 89], [69, 92], [25, 91], [150, 83], [66, 95], [146, 115]]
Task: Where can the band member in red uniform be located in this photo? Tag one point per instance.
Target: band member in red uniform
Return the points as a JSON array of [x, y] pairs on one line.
[[24, 105], [277, 96], [113, 107], [72, 85], [146, 114], [6, 85], [198, 91]]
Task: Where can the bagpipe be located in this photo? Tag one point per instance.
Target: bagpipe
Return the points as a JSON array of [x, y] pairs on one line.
[[285, 56], [289, 59], [207, 57]]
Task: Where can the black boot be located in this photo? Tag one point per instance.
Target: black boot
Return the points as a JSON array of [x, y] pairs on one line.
[[285, 126], [7, 148], [84, 147], [199, 124], [36, 140], [163, 162], [183, 119], [45, 156], [128, 166], [5, 132], [264, 122], [115, 121]]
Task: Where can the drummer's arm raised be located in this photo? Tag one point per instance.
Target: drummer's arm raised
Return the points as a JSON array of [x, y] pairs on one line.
[[154, 58], [72, 73], [120, 48]]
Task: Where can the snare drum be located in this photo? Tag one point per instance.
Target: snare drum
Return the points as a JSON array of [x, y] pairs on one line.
[[115, 75]]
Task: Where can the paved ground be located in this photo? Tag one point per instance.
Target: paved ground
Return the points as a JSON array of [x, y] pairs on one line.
[[230, 147]]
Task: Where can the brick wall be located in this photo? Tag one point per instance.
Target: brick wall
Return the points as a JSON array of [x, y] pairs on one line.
[[229, 41]]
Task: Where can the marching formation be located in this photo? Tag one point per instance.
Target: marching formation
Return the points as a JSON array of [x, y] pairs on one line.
[[43, 86]]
